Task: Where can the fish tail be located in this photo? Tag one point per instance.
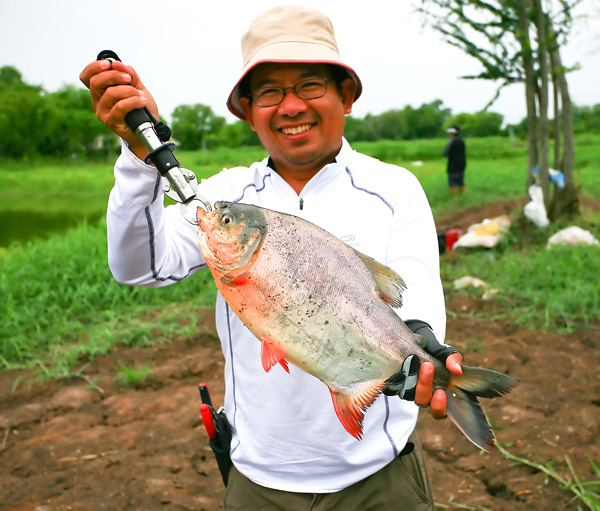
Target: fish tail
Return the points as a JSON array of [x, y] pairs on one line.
[[463, 407]]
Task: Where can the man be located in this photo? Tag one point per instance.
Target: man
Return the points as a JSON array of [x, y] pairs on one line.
[[457, 160], [288, 449]]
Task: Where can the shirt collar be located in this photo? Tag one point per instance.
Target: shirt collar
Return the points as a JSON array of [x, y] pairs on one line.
[[344, 150]]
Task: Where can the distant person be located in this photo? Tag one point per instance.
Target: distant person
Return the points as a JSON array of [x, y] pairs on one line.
[[457, 160]]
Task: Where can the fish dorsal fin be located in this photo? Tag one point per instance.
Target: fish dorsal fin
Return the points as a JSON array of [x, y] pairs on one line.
[[390, 284], [271, 355], [351, 409]]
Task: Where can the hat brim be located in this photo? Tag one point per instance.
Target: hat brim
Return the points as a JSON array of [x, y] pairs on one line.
[[289, 53]]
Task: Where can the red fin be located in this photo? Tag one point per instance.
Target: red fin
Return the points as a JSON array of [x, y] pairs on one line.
[[270, 355], [387, 299], [350, 409]]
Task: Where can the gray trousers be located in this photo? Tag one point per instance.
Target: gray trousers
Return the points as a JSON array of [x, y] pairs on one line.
[[402, 485]]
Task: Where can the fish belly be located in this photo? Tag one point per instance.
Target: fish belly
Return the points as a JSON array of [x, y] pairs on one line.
[[318, 304]]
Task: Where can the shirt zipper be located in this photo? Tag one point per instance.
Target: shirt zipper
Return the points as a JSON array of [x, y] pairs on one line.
[[301, 203]]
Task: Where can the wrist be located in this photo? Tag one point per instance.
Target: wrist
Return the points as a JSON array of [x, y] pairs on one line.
[[138, 149], [427, 340]]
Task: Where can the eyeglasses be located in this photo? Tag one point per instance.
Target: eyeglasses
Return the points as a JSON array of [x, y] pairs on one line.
[[312, 88]]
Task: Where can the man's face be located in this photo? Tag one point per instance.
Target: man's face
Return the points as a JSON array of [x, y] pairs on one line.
[[300, 135]]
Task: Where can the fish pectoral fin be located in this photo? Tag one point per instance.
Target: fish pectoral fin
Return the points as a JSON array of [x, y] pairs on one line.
[[389, 284], [351, 409], [271, 355]]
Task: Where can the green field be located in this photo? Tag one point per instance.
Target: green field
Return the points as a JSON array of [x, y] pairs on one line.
[[61, 307]]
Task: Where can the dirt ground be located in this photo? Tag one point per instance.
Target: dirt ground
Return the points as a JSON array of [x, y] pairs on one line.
[[72, 446]]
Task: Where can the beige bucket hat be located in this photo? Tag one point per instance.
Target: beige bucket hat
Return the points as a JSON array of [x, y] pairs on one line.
[[288, 33]]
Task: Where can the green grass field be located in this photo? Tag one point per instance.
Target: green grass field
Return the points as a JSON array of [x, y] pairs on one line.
[[61, 307]]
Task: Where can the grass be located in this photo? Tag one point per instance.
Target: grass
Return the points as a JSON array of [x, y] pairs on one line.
[[132, 375], [538, 288], [60, 307], [586, 492], [49, 197], [496, 169]]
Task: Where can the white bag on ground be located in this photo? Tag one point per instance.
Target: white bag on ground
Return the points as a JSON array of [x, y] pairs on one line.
[[485, 234], [572, 236], [535, 210]]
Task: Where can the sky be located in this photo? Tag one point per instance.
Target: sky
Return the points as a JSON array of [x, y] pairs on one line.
[[188, 52]]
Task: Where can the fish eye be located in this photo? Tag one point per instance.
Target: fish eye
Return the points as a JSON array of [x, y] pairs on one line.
[[226, 219]]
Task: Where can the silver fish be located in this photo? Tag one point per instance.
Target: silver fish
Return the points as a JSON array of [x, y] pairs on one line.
[[313, 301]]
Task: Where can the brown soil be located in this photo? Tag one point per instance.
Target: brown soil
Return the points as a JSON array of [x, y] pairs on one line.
[[91, 443]]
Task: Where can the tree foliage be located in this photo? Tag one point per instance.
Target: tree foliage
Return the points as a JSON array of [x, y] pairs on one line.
[[238, 134], [586, 119], [427, 121], [195, 124], [482, 124], [35, 123]]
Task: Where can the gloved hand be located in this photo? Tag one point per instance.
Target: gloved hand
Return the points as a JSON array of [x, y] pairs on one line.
[[404, 382], [428, 341]]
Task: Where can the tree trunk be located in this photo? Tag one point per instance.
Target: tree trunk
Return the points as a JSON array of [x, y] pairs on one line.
[[556, 163], [564, 201], [543, 132], [530, 87]]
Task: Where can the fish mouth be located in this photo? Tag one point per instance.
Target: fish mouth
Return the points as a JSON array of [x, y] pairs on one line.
[[204, 218], [200, 214]]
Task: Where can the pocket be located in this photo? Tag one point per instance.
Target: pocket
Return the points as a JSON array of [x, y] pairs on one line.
[[230, 482], [413, 468]]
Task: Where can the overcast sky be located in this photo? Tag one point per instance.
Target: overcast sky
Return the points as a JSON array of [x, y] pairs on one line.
[[188, 52]]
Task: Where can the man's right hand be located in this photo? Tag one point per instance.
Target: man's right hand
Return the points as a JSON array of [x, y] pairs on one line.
[[117, 90]]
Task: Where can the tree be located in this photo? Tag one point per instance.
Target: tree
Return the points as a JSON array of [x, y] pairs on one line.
[[352, 128], [70, 127], [564, 199], [517, 41], [34, 122], [429, 119], [237, 134], [20, 114], [406, 124], [482, 124], [586, 119], [193, 125], [10, 77]]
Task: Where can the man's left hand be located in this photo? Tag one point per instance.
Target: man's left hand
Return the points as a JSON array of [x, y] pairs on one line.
[[424, 394]]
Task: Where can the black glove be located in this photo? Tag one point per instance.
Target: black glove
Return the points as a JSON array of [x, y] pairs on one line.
[[426, 340], [404, 382]]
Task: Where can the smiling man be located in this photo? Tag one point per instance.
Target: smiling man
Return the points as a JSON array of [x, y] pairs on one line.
[[288, 449], [297, 111]]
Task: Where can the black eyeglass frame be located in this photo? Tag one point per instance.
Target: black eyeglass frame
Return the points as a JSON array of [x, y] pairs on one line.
[[252, 94]]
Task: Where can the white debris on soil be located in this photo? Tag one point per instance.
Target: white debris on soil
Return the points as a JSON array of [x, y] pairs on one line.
[[475, 282], [485, 234], [572, 236]]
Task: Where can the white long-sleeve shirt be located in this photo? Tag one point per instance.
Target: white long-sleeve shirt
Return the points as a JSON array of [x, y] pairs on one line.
[[286, 433]]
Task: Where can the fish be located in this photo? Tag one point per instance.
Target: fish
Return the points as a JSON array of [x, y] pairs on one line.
[[328, 309]]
